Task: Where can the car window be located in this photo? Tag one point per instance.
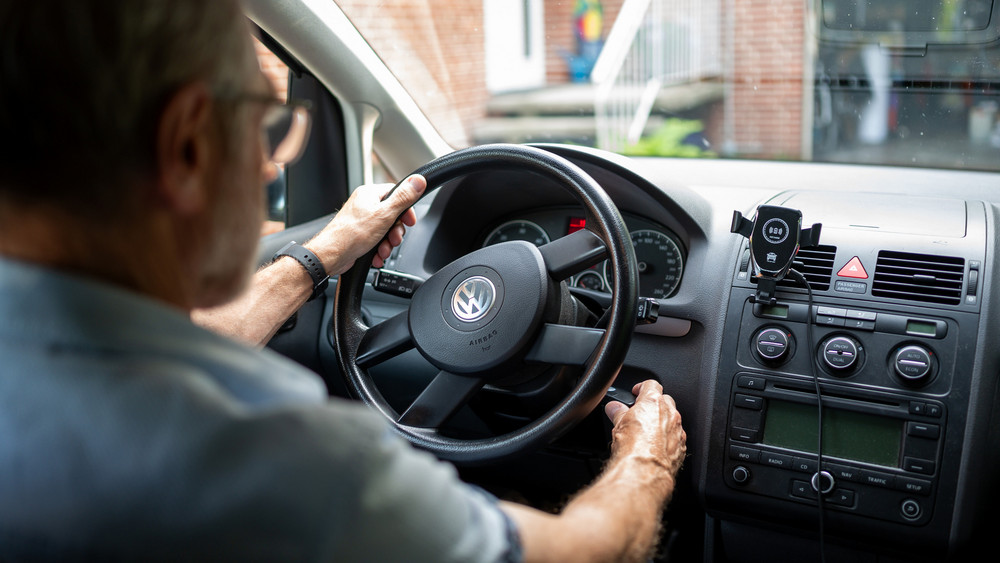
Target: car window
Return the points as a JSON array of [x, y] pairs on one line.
[[277, 72], [897, 82]]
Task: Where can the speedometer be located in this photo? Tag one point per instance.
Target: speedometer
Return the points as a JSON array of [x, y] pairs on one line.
[[518, 230], [660, 262]]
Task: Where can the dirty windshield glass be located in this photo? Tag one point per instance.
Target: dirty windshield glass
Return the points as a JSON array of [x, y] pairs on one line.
[[898, 82]]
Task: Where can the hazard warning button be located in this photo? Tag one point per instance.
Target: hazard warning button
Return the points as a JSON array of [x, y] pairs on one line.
[[853, 269]]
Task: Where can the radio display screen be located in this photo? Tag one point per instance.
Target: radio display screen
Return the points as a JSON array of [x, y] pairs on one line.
[[846, 434]]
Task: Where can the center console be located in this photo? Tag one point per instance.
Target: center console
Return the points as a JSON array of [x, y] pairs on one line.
[[878, 355]]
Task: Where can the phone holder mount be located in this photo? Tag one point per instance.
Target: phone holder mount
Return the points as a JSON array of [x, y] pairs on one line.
[[775, 235]]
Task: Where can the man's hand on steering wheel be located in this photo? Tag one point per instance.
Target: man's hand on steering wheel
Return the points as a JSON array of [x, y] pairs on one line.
[[366, 221]]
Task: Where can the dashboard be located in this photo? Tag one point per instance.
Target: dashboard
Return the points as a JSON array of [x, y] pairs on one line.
[[890, 349]]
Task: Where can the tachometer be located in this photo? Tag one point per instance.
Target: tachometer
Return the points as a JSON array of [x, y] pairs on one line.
[[589, 279], [518, 230], [660, 262]]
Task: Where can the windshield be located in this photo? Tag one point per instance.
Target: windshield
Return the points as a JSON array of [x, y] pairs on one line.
[[897, 82]]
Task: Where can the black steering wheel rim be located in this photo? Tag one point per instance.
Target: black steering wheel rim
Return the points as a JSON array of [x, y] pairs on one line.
[[349, 330]]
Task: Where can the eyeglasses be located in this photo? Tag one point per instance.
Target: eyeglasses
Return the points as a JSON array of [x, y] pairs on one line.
[[286, 130], [285, 127]]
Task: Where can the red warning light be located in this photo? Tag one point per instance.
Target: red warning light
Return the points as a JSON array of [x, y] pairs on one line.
[[576, 224], [853, 269]]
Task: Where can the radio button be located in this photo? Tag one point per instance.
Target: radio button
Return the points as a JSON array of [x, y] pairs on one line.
[[844, 473], [910, 509], [741, 475], [822, 482], [802, 489], [916, 465], [776, 460], [878, 479], [744, 434], [741, 453], [804, 465], [748, 402], [841, 497], [751, 382], [911, 485], [923, 430]]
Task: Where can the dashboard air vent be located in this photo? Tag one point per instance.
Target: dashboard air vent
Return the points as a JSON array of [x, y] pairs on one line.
[[918, 277], [816, 264], [813, 262]]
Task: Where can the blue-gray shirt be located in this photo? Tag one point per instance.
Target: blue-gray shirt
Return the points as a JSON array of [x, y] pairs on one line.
[[126, 432]]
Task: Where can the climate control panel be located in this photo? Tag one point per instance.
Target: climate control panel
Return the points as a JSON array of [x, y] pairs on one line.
[[889, 350]]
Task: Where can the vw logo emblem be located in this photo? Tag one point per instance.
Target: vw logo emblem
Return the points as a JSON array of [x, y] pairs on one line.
[[473, 298]]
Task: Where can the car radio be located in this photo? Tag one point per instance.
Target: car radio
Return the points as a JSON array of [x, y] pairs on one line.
[[881, 450]]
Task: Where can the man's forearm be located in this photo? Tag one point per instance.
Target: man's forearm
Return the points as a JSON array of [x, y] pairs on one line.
[[274, 294], [617, 518]]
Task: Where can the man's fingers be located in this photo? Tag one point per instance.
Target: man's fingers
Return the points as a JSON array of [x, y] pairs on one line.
[[408, 192], [615, 411], [409, 217], [651, 388]]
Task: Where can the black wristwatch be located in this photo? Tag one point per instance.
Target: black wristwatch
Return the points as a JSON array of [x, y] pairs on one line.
[[310, 262]]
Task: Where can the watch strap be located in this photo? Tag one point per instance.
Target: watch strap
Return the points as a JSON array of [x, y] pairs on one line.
[[312, 264]]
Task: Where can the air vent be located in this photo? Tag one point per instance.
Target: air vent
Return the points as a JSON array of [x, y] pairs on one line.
[[918, 277], [815, 263]]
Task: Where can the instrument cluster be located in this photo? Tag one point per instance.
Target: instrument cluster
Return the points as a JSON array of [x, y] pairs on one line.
[[659, 252]]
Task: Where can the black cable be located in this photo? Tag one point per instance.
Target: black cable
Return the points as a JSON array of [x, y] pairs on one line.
[[819, 407]]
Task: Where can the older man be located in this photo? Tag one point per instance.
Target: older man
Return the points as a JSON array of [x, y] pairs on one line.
[[130, 171]]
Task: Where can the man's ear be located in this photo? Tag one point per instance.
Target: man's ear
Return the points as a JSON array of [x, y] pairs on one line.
[[183, 147]]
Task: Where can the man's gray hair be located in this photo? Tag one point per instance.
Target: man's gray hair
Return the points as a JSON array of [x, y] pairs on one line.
[[82, 83]]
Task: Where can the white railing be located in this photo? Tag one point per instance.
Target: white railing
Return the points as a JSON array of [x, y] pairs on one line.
[[652, 44]]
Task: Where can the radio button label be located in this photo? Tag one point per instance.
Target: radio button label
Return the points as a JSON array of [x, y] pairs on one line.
[[878, 479], [844, 473], [915, 486], [805, 465], [776, 460], [741, 453]]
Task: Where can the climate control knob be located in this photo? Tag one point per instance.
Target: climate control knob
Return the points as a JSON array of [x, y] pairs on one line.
[[913, 364], [773, 344], [841, 354]]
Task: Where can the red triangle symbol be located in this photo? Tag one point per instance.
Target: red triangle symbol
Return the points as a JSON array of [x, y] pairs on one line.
[[853, 269]]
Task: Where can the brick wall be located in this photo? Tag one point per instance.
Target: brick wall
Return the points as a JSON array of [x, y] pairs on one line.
[[436, 49], [766, 76], [275, 70]]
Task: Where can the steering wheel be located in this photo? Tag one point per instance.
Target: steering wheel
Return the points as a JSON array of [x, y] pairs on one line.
[[489, 314]]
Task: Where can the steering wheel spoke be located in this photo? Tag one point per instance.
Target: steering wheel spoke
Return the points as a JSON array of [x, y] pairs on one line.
[[565, 345], [573, 254], [440, 400], [385, 340]]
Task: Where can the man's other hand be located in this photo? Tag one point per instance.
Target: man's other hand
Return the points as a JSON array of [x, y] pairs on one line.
[[651, 428]]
